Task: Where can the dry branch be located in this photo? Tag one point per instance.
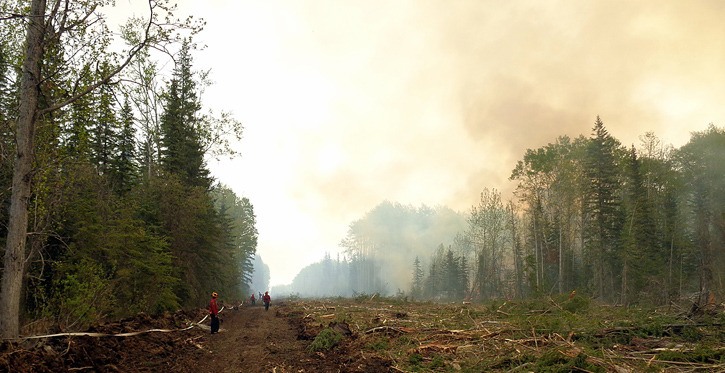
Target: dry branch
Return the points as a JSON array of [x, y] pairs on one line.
[[388, 329]]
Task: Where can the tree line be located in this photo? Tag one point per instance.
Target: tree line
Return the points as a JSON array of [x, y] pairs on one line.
[[108, 205], [622, 224]]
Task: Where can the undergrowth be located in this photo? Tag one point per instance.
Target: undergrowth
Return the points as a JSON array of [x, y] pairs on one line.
[[325, 340], [560, 333]]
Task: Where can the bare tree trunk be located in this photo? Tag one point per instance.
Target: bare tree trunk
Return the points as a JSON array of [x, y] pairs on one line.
[[561, 261], [536, 253], [14, 261]]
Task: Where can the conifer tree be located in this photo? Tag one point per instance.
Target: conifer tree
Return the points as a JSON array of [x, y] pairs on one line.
[[182, 153], [418, 277], [641, 257], [105, 131], [702, 161], [124, 166], [602, 205]]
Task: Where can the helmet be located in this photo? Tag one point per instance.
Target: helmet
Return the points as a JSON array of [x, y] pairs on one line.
[[214, 294]]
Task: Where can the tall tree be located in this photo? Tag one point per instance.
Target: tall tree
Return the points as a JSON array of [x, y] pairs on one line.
[[64, 22], [124, 166], [489, 236], [602, 205], [241, 242], [418, 276], [702, 161], [642, 263], [182, 153]]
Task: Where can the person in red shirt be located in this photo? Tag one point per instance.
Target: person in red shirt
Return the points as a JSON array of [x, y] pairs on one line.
[[214, 312], [266, 299]]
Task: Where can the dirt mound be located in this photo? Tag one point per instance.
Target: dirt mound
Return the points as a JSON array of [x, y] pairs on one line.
[[105, 354]]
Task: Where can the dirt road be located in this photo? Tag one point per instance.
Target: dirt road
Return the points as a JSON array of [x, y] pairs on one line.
[[250, 340], [255, 340]]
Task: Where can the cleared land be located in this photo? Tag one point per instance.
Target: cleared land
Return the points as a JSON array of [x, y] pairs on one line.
[[370, 334]]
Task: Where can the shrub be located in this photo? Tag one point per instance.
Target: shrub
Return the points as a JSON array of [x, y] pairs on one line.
[[325, 340], [576, 304]]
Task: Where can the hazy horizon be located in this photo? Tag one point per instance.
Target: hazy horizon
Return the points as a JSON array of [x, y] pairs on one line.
[[349, 104]]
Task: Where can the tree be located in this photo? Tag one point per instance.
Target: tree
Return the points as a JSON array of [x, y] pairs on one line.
[[64, 22], [489, 236], [124, 166], [702, 162], [418, 276], [182, 152], [549, 188], [241, 244], [260, 277], [602, 205], [641, 251]]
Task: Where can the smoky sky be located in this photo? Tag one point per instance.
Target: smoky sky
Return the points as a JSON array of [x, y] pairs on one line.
[[349, 103]]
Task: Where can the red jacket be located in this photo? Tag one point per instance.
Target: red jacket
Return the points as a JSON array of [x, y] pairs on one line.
[[213, 309], [266, 298]]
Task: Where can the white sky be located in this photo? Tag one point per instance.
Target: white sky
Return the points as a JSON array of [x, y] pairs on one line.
[[348, 103]]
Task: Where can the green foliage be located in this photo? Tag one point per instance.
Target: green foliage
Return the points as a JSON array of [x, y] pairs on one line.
[[82, 291], [415, 359], [378, 344], [111, 252], [182, 153], [556, 361], [238, 223], [325, 340], [108, 245], [701, 354], [437, 363], [343, 317], [576, 304]]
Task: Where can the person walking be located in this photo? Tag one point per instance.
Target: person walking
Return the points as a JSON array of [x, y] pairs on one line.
[[252, 299], [214, 313], [266, 299]]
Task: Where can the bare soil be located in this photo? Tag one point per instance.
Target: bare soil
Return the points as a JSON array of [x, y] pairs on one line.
[[250, 340]]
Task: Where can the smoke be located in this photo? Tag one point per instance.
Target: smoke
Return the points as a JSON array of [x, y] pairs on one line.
[[348, 104]]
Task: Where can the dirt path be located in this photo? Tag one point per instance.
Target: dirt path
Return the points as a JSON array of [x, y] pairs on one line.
[[250, 340], [255, 340]]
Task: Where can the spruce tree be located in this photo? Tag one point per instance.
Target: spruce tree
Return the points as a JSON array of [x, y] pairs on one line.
[[418, 277], [602, 205], [642, 258], [182, 152], [702, 161], [124, 166]]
